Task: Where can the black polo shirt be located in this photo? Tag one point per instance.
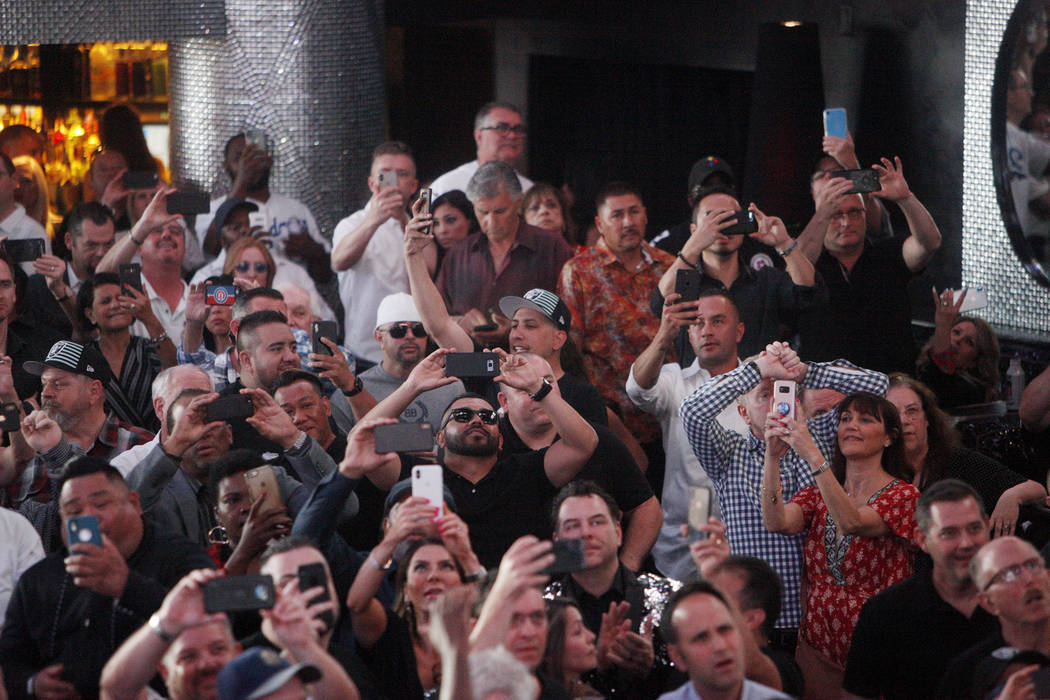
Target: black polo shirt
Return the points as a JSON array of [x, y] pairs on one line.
[[507, 503], [905, 638]]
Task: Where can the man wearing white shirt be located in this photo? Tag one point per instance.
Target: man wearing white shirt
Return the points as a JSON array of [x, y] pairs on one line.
[[714, 331], [368, 247], [499, 132], [20, 548], [14, 222]]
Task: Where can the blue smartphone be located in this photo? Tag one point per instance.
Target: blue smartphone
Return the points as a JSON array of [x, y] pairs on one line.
[[84, 529], [835, 122]]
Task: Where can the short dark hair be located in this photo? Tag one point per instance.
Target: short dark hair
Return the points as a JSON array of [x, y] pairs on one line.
[[288, 544], [581, 488], [9, 164], [894, 461], [616, 188], [246, 297], [762, 587], [291, 376], [692, 588], [95, 212], [392, 148], [191, 393], [723, 294], [233, 462], [465, 395], [86, 294], [14, 132], [944, 491], [486, 110], [246, 332], [704, 192], [86, 465]]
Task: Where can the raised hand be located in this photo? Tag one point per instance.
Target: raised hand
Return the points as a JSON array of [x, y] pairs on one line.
[[517, 372], [361, 457], [771, 229], [430, 373], [271, 420], [40, 431], [891, 177], [828, 193], [709, 553], [183, 607], [842, 150], [100, 569]]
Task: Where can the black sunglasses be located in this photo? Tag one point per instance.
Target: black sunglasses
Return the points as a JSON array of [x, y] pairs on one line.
[[400, 330], [464, 415]]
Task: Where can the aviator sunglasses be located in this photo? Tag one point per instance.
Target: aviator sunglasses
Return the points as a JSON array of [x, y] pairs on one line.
[[400, 330]]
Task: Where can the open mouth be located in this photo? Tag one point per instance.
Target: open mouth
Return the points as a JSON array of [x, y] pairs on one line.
[[1033, 595]]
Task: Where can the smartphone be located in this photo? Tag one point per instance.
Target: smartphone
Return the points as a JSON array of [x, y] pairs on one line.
[[220, 294], [131, 276], [865, 180], [976, 298], [238, 593], [10, 418], [25, 249], [745, 223], [84, 529], [835, 122], [387, 178], [471, 364], [255, 137], [1041, 682], [784, 398], [687, 283], [192, 203], [699, 511], [428, 482], [425, 196], [263, 482], [323, 329], [404, 437], [568, 557], [140, 180], [312, 576], [229, 408]]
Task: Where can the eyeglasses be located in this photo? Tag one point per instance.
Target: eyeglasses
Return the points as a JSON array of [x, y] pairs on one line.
[[464, 415], [503, 128], [851, 214], [1010, 574], [400, 330], [260, 267]]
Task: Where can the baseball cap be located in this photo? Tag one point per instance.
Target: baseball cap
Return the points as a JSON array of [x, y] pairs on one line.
[[258, 672], [988, 673], [396, 307], [402, 490], [706, 167], [547, 303], [227, 207], [72, 357]]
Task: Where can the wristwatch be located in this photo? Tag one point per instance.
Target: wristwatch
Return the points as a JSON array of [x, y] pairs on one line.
[[358, 388], [542, 392], [154, 625]]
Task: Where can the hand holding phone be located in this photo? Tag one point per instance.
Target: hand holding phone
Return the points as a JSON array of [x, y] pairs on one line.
[[699, 511], [263, 482], [568, 557], [835, 122], [238, 593], [84, 529], [428, 482], [687, 284], [404, 437], [131, 276], [229, 408], [323, 329], [784, 398], [471, 364]]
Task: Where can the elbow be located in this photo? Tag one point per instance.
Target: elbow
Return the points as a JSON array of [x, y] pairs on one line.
[[590, 443], [851, 526]]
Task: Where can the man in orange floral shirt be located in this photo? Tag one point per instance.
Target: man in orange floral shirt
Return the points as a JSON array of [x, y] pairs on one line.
[[607, 288]]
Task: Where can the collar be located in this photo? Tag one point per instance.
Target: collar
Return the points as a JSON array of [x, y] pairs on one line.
[[621, 581], [151, 293], [71, 277], [110, 432], [525, 238], [606, 257]]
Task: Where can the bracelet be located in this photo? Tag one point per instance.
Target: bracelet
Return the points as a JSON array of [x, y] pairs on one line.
[[377, 565], [789, 249], [299, 442], [542, 392], [136, 241], [358, 386], [692, 265], [154, 625], [159, 339], [476, 577], [820, 470]]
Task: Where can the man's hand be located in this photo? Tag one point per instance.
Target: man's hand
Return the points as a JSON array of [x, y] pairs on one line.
[[495, 337], [450, 619], [183, 607], [334, 367], [271, 420], [633, 653], [251, 167], [771, 230], [842, 150], [295, 623], [196, 306], [456, 536], [7, 382], [115, 195], [430, 373], [303, 247], [156, 217], [828, 193], [99, 569], [615, 624], [385, 204], [708, 553], [260, 527], [48, 685], [190, 426], [515, 371], [53, 269], [891, 177], [361, 456], [521, 567], [1019, 685], [706, 229], [675, 316], [40, 431]]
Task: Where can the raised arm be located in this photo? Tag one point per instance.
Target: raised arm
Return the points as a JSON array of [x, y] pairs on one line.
[[385, 204], [777, 516], [646, 369], [772, 232], [640, 533], [925, 237], [428, 374], [519, 570], [827, 194], [702, 234], [153, 219], [843, 152]]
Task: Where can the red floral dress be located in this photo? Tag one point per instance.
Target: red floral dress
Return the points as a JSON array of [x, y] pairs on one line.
[[840, 573]]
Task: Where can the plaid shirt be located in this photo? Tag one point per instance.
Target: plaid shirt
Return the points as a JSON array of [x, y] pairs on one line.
[[734, 463]]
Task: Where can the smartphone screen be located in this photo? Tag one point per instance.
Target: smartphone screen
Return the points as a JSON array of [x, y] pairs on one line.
[[835, 122]]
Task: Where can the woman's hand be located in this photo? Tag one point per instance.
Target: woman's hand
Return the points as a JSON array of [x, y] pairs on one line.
[[410, 518], [947, 308], [775, 432], [138, 304], [796, 434], [709, 553]]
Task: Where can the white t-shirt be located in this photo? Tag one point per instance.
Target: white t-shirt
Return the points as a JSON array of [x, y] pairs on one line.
[[379, 272], [284, 216], [1027, 157], [19, 225], [173, 320], [20, 548], [457, 180]]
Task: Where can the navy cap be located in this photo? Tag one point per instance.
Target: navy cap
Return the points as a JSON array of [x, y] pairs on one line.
[[227, 207], [704, 168], [259, 672], [398, 493]]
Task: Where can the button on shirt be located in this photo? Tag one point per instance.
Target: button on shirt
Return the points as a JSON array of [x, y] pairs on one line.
[[734, 463]]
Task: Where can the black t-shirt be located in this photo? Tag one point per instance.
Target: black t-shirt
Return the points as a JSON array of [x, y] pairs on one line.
[[905, 638], [958, 679]]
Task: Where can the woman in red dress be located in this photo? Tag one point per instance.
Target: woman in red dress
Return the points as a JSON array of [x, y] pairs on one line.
[[859, 516]]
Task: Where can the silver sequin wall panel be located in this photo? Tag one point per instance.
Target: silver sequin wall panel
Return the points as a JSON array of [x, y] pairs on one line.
[[307, 72], [75, 21], [1017, 301]]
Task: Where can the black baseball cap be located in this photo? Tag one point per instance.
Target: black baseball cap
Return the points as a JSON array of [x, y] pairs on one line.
[[705, 167], [547, 303], [227, 208], [72, 357]]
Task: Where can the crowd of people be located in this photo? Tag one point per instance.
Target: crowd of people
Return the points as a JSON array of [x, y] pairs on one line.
[[702, 463]]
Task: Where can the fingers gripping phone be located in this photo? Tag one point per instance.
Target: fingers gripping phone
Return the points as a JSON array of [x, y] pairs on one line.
[[84, 529], [404, 437], [428, 483], [865, 180], [131, 276], [687, 283], [24, 249], [323, 329], [237, 593], [471, 364], [784, 398], [312, 576], [263, 482], [425, 197], [699, 511], [229, 408]]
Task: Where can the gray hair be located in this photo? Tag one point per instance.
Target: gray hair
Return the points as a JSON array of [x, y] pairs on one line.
[[486, 110], [166, 385], [491, 179], [496, 671]]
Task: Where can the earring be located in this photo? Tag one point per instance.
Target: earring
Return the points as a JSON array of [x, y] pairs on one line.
[[217, 535]]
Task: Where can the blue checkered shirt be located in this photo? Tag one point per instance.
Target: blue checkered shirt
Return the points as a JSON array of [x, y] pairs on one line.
[[734, 463]]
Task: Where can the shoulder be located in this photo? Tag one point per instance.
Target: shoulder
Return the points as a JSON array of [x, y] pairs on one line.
[[757, 691], [904, 596], [348, 224]]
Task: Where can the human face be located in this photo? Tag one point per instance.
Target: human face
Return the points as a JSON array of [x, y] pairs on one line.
[[402, 353], [545, 211], [297, 300], [258, 270], [957, 530], [115, 505], [527, 637], [716, 332], [472, 439], [273, 353], [709, 646], [234, 504], [621, 221], [90, 246], [963, 340], [104, 168], [723, 245], [914, 424], [285, 566], [817, 402], [233, 164], [588, 518], [861, 434], [531, 331], [847, 225], [504, 144], [107, 311], [218, 320], [308, 410], [405, 167], [527, 415], [431, 572], [580, 653], [8, 295], [237, 224], [450, 225], [166, 246], [193, 661], [498, 216], [754, 406], [66, 397], [1025, 600]]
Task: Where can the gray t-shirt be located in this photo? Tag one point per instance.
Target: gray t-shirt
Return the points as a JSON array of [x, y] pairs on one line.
[[426, 408]]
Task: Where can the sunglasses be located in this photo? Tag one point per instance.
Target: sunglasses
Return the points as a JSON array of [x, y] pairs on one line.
[[400, 330], [260, 267], [464, 415]]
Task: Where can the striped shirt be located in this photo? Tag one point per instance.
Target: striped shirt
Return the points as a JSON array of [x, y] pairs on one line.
[[130, 396]]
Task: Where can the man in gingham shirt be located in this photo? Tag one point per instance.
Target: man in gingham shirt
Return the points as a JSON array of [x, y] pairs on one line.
[[734, 462]]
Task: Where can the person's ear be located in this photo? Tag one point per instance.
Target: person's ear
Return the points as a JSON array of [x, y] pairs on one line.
[[742, 411], [326, 402], [133, 499], [676, 658], [502, 398], [753, 618], [439, 438], [920, 539], [69, 240], [986, 602], [560, 337], [245, 359]]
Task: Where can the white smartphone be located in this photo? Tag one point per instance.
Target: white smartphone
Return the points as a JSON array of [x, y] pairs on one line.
[[387, 178], [699, 511], [784, 398], [835, 122], [976, 298], [428, 482]]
